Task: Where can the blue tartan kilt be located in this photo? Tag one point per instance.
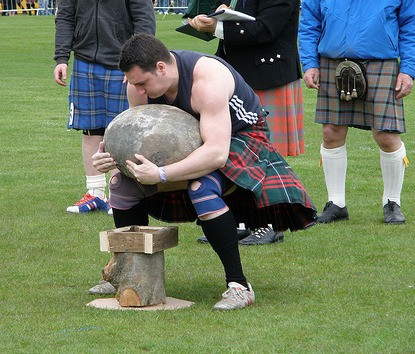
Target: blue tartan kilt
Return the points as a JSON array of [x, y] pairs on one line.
[[96, 96]]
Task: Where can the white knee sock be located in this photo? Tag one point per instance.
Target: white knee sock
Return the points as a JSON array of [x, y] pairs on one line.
[[96, 185], [334, 166], [393, 170]]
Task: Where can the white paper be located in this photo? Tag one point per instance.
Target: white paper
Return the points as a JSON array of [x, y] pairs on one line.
[[231, 15]]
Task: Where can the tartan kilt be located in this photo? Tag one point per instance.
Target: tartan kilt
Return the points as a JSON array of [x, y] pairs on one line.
[[285, 105], [268, 191], [380, 109], [96, 96]]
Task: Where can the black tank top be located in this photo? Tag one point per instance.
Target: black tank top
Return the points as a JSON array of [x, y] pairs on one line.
[[244, 104]]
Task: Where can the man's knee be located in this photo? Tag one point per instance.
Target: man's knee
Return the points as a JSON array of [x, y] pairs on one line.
[[206, 194], [334, 135], [126, 192]]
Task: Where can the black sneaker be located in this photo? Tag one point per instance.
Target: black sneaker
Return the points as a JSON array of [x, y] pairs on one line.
[[332, 212], [392, 213], [263, 236], [242, 233]]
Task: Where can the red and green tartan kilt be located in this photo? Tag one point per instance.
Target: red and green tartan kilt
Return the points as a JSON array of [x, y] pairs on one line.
[[285, 105], [379, 110], [268, 191]]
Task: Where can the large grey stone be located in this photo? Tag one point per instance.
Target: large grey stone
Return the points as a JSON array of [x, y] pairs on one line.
[[163, 134]]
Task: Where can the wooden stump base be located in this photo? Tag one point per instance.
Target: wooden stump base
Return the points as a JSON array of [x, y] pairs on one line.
[[113, 304], [136, 269]]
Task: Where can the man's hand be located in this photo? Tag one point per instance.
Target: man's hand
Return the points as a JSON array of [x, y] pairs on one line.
[[60, 74], [146, 172], [202, 23], [404, 85], [103, 161], [312, 78]]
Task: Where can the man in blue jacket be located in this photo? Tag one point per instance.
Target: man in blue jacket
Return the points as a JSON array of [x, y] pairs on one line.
[[360, 56]]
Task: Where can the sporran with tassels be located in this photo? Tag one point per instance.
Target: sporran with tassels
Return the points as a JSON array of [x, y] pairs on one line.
[[351, 80]]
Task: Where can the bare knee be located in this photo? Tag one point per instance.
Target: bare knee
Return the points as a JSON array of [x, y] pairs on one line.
[[114, 180], [195, 185], [387, 142], [334, 135]]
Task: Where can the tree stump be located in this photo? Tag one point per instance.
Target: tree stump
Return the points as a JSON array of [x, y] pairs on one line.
[[138, 273], [138, 278]]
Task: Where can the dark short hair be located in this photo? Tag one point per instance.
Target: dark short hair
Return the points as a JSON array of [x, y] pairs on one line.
[[143, 50]]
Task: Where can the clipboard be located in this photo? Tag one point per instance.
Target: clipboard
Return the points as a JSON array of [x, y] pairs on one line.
[[221, 15], [189, 30]]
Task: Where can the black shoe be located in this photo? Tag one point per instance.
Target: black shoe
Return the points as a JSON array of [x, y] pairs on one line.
[[392, 213], [332, 212], [242, 233], [263, 236]]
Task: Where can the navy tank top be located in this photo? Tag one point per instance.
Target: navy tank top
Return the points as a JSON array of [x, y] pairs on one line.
[[244, 105]]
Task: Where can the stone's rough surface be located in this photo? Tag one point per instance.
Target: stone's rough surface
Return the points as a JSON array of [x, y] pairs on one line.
[[163, 134]]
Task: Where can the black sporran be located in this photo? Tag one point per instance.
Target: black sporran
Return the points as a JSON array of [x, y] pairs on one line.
[[351, 80]]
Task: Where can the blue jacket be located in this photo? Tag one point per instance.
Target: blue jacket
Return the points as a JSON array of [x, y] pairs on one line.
[[360, 29]]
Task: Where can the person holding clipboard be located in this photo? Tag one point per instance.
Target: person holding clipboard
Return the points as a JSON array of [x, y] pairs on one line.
[[265, 53]]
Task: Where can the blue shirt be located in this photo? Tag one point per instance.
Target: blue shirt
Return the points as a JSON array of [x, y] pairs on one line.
[[360, 29]]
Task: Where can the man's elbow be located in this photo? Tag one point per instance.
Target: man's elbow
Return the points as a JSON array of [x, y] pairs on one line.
[[220, 160]]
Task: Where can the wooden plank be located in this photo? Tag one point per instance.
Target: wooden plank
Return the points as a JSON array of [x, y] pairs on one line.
[[142, 239], [103, 237]]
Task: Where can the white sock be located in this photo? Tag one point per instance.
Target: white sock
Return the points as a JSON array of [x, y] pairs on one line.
[[393, 170], [96, 185], [334, 166]]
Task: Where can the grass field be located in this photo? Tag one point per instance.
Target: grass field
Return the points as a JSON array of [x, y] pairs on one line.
[[347, 287]]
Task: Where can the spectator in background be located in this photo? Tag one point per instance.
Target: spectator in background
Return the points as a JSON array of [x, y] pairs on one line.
[[97, 93], [44, 7], [30, 4], [265, 53], [375, 42], [180, 7], [163, 7], [8, 7]]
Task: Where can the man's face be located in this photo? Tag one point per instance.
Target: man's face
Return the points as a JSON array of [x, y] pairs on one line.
[[146, 83]]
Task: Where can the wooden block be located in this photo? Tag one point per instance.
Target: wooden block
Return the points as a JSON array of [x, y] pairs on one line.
[[140, 239]]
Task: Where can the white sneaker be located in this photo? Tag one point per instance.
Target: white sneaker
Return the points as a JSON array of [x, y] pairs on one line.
[[87, 204], [236, 297], [110, 212]]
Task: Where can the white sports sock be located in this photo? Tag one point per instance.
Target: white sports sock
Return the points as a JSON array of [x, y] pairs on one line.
[[393, 171], [334, 166], [96, 185]]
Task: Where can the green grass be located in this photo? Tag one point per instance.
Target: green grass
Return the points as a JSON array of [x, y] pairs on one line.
[[347, 287]]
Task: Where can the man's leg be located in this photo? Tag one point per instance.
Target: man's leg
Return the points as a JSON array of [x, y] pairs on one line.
[[334, 161], [95, 198], [219, 227], [393, 161]]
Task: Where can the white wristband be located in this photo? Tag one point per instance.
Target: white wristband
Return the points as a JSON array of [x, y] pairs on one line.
[[162, 173]]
